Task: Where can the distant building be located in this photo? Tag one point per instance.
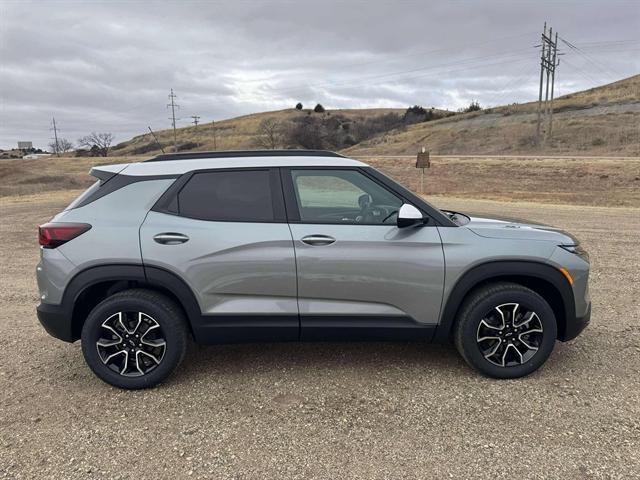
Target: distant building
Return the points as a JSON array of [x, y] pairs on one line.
[[35, 156], [25, 145]]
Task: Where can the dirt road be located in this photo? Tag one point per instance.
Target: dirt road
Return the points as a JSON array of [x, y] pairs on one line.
[[330, 410]]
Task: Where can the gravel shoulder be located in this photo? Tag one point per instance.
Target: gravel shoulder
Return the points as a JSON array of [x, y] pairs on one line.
[[330, 410]]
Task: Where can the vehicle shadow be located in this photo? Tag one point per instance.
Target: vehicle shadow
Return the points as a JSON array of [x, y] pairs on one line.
[[316, 357]]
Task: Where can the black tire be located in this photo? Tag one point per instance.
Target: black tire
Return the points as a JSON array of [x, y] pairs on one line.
[[163, 353], [478, 326]]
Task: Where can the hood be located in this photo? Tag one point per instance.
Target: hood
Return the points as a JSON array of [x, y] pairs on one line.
[[511, 228]]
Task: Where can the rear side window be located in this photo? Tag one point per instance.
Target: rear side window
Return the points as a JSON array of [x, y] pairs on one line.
[[241, 196], [85, 195]]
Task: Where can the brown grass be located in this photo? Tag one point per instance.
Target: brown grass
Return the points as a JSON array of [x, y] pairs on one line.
[[580, 181], [234, 134], [601, 121]]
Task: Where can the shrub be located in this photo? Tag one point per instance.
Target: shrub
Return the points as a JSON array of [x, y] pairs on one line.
[[473, 107], [299, 106], [318, 109], [417, 114], [186, 146]]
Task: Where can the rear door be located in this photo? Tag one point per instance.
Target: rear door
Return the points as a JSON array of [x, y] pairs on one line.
[[224, 232], [358, 273]]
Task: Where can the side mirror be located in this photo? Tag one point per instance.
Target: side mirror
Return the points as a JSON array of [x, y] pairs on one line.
[[409, 215]]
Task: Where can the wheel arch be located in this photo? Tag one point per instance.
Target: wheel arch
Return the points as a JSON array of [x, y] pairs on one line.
[[92, 285], [542, 278]]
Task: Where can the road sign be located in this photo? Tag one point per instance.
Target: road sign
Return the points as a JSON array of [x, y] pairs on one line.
[[423, 160]]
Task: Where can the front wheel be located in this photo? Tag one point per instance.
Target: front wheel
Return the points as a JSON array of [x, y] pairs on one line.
[[134, 339], [505, 330]]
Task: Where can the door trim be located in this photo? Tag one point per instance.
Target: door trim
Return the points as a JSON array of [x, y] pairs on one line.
[[363, 327]]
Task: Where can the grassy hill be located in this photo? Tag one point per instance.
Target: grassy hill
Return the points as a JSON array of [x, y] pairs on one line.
[[240, 133], [600, 121]]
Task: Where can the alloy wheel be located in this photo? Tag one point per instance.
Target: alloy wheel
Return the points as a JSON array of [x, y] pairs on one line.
[[131, 343], [509, 335]]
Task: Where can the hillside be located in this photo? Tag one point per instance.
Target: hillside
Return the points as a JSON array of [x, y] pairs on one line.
[[600, 121], [240, 133]]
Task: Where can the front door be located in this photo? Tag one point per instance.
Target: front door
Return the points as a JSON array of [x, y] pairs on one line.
[[358, 273], [224, 232]]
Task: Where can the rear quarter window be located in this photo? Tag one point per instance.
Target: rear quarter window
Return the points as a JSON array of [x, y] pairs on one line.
[[85, 195]]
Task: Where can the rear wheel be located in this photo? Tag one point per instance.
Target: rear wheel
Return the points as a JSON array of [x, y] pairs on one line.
[[505, 330], [134, 339]]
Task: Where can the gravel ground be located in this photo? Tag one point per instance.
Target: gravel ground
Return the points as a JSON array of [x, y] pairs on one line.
[[330, 410]]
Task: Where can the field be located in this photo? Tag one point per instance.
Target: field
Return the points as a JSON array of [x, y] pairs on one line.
[[338, 410], [596, 181]]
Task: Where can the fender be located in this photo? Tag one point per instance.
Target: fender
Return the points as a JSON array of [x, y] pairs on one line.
[[518, 271], [138, 275]]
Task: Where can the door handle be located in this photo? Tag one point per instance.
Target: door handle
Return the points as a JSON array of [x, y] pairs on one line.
[[318, 240], [170, 238]]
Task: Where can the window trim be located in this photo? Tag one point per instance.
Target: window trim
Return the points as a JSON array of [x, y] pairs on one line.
[[162, 205], [293, 209]]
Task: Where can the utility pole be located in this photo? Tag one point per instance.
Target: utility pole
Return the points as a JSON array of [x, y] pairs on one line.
[[196, 120], [553, 79], [55, 136], [173, 106], [213, 126], [544, 32], [548, 64]]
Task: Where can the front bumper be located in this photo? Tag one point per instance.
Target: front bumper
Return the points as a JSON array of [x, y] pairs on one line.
[[56, 321], [576, 326]]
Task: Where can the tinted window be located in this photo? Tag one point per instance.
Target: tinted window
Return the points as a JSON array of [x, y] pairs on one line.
[[86, 194], [343, 196], [237, 196]]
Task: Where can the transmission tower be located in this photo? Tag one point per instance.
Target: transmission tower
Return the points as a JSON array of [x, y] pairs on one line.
[[196, 120], [173, 106]]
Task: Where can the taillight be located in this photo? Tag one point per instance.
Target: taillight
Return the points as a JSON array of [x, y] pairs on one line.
[[52, 235]]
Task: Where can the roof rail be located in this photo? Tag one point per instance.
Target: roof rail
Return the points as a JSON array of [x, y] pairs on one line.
[[244, 153]]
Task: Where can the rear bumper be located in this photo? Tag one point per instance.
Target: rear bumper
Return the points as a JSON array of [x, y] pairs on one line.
[[55, 321], [576, 326]]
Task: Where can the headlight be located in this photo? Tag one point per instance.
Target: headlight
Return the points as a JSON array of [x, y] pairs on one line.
[[578, 250]]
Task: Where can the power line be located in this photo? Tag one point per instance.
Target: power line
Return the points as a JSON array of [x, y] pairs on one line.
[[593, 62], [480, 59], [582, 73]]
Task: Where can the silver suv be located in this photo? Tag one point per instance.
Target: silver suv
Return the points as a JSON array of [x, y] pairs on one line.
[[295, 245]]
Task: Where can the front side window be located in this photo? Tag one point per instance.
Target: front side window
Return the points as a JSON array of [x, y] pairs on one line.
[[344, 197], [241, 196]]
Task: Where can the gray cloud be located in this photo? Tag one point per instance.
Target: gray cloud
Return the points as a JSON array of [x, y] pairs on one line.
[[109, 66]]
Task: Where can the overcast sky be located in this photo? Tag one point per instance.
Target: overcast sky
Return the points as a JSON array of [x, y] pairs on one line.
[[108, 66]]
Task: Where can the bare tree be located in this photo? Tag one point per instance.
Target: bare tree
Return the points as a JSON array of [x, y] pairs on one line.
[[271, 134], [98, 142], [63, 146]]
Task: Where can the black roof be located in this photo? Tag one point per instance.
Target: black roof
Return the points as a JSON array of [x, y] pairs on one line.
[[245, 153]]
